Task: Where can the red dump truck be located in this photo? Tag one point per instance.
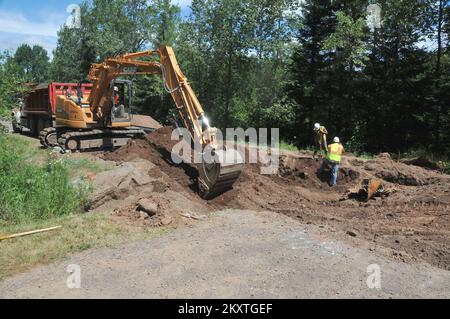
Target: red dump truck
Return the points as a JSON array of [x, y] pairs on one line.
[[38, 105]]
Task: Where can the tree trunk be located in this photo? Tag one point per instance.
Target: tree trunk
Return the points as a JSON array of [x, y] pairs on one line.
[[228, 89], [437, 125]]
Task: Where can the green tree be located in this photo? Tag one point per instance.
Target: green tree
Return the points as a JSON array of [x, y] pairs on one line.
[[376, 90], [237, 62], [311, 70], [24, 58], [150, 96], [33, 61], [347, 42], [274, 24], [108, 28], [67, 64], [11, 83], [440, 73], [164, 18], [397, 79]]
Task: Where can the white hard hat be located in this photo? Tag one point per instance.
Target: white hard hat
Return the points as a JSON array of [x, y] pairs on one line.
[[317, 126], [336, 140], [116, 89]]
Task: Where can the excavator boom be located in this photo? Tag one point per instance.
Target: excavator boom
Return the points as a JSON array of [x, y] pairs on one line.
[[216, 174]]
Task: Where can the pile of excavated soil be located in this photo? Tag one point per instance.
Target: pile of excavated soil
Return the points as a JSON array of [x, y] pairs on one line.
[[179, 178], [411, 224], [293, 172], [170, 208], [145, 121]]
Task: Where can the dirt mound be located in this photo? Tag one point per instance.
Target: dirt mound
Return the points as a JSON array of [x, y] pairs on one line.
[[170, 208], [298, 176], [134, 213], [162, 138], [306, 172], [422, 162], [297, 182], [412, 223], [403, 174], [153, 147], [156, 148], [117, 185], [139, 148], [145, 121], [182, 177], [252, 190]]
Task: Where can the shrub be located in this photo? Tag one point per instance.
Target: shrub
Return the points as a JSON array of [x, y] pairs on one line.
[[31, 191]]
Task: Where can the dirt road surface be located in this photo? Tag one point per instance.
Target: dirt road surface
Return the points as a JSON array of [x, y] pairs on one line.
[[233, 254]]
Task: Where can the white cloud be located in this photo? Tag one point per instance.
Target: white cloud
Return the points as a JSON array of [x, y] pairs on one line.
[[13, 22], [428, 44], [16, 29]]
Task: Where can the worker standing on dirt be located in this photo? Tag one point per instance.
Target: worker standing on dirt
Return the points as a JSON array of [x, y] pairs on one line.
[[320, 139], [333, 159]]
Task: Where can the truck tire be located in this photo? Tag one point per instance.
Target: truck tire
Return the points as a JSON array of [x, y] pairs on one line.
[[33, 126], [40, 125], [16, 128]]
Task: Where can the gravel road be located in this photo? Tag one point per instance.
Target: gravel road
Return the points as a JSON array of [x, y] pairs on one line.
[[232, 254]]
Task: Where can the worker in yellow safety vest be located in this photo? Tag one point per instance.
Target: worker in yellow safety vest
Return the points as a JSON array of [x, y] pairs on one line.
[[320, 139], [333, 158]]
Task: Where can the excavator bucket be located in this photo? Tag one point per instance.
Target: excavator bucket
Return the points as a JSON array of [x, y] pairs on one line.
[[367, 189], [373, 186], [217, 174]]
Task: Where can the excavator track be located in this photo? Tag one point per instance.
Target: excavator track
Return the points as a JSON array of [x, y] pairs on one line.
[[48, 137], [98, 138], [219, 176]]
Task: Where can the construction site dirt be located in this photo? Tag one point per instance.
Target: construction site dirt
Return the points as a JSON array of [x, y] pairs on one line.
[[408, 221]]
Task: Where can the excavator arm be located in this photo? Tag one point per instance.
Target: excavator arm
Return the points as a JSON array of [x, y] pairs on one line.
[[216, 174], [189, 108]]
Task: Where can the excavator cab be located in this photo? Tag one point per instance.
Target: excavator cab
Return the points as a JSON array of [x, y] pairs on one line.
[[121, 101]]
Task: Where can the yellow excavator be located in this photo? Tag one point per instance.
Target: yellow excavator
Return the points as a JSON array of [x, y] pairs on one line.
[[103, 117]]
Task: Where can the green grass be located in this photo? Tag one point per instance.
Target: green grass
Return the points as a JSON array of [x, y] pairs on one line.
[[283, 145], [445, 166], [442, 161], [38, 190], [424, 153], [288, 146], [84, 165], [364, 155], [36, 185], [78, 233]]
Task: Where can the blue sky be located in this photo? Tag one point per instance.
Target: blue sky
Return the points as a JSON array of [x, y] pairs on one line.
[[37, 22]]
